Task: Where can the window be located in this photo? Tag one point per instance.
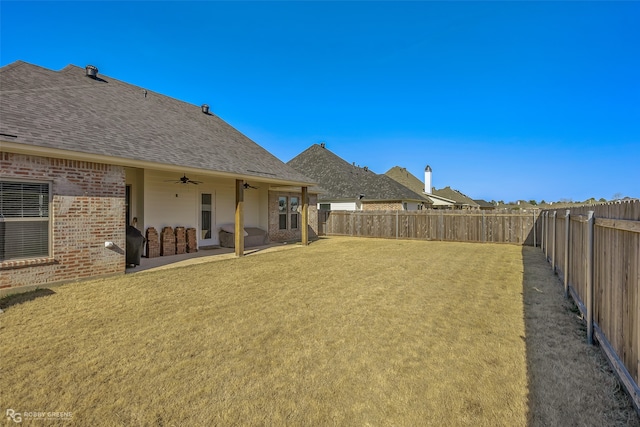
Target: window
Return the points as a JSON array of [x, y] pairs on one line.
[[282, 212], [288, 213], [293, 207], [24, 220], [206, 216]]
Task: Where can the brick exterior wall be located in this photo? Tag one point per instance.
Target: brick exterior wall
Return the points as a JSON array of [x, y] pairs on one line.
[[87, 209], [277, 235], [382, 206]]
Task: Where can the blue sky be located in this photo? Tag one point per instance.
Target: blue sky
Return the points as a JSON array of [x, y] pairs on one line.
[[505, 100]]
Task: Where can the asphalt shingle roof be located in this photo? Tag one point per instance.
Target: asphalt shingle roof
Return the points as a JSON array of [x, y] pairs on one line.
[[456, 196], [67, 110], [409, 180], [484, 204], [344, 181], [405, 178]]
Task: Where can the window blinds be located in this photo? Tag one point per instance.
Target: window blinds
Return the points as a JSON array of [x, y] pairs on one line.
[[24, 220]]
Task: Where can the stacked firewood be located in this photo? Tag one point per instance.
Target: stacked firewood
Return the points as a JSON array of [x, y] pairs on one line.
[[192, 242], [153, 243], [181, 241], [167, 242]]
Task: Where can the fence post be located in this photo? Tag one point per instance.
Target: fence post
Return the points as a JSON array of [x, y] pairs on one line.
[[546, 236], [535, 229], [567, 228], [553, 241], [542, 239], [397, 225], [441, 226], [589, 266], [352, 215]]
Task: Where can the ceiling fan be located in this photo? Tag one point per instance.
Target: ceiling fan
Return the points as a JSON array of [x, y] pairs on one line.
[[184, 180], [246, 186]]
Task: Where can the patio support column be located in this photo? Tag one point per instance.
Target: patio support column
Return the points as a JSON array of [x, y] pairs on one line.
[[305, 216], [239, 225]]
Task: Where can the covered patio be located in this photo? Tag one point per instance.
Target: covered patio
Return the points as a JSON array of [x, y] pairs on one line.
[[117, 155]]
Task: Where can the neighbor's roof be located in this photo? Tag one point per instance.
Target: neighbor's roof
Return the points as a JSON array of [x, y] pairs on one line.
[[69, 111], [484, 204], [439, 197], [455, 195], [344, 181], [406, 178]]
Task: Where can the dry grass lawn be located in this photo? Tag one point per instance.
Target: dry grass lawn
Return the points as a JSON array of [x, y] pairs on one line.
[[343, 332]]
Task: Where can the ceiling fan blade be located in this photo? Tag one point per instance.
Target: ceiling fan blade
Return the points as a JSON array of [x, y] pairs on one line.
[[183, 180]]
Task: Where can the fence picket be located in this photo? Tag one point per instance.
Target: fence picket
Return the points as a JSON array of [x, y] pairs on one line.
[[602, 272], [461, 226]]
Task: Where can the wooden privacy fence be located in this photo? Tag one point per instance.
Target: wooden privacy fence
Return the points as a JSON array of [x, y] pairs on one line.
[[596, 252], [517, 227]]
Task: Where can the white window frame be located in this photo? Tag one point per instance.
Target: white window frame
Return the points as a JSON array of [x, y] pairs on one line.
[[8, 219], [211, 216], [283, 212], [294, 212], [289, 212]]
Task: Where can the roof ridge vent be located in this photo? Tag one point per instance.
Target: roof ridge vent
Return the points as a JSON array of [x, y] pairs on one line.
[[205, 108], [91, 71]]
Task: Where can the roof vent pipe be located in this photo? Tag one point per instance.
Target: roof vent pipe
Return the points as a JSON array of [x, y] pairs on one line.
[[91, 71], [205, 108]]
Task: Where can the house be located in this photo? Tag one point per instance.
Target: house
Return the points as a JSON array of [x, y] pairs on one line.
[[445, 198], [83, 154], [519, 204], [406, 178], [350, 187], [484, 205], [460, 200]]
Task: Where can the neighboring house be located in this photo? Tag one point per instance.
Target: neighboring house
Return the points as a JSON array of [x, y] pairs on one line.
[[82, 154], [520, 204], [350, 187], [406, 178], [460, 200], [484, 205]]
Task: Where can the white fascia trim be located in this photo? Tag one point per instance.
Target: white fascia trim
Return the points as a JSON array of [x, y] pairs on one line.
[[433, 197]]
